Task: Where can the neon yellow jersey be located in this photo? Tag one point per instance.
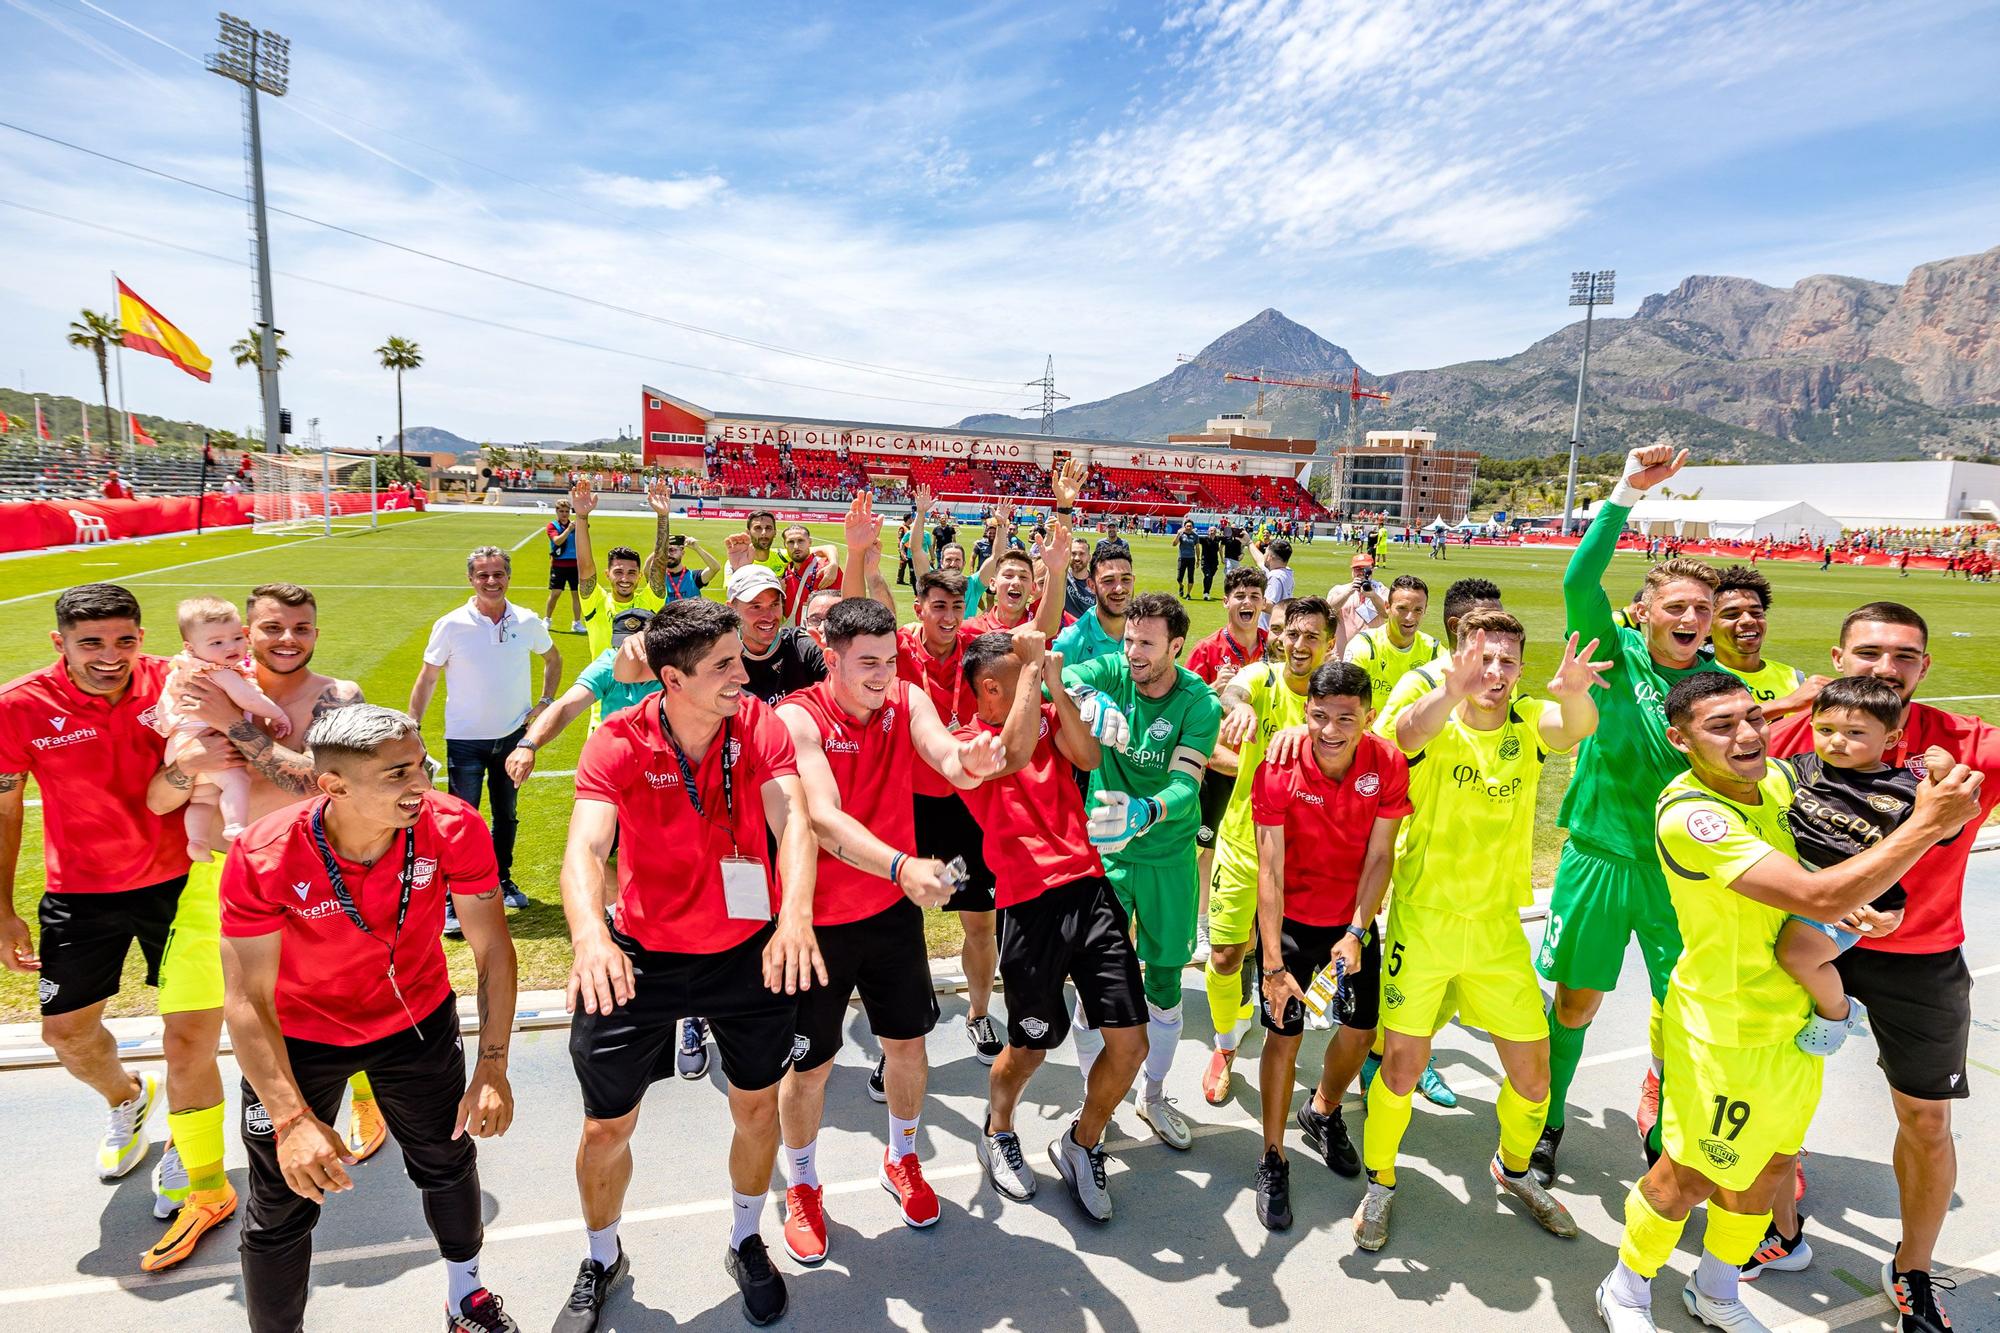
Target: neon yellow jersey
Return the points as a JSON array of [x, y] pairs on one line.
[[1727, 989], [1387, 664], [1773, 680], [1469, 848], [602, 607], [1278, 706], [1410, 687]]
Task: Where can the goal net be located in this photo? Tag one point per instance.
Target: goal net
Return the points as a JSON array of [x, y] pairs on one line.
[[327, 493]]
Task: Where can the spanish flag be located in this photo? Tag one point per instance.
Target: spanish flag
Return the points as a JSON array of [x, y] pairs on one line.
[[147, 330]]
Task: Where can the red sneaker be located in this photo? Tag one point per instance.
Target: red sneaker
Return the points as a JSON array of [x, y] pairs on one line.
[[1649, 1104], [1215, 1079], [805, 1224], [905, 1180]]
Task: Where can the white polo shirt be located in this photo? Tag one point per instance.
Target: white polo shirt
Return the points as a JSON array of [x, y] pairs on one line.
[[486, 669]]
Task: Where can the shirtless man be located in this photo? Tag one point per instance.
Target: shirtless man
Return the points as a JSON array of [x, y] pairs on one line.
[[283, 620]]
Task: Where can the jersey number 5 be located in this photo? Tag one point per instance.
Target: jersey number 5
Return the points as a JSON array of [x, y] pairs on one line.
[[1736, 1113], [1395, 959]]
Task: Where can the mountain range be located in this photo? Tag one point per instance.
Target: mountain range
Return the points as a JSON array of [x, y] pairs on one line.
[[1829, 368]]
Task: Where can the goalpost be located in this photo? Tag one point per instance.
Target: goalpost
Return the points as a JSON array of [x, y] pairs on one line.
[[327, 492]]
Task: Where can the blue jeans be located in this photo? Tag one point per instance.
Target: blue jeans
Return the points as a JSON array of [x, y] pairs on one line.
[[467, 764]]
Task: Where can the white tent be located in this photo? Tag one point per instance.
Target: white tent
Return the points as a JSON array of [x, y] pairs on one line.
[[1732, 520]]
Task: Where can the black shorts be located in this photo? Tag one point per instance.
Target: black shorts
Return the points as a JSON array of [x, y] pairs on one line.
[[1920, 1007], [1184, 568], [946, 828], [618, 1055], [1306, 950], [884, 958], [85, 937], [1215, 792], [1078, 932], [562, 576]]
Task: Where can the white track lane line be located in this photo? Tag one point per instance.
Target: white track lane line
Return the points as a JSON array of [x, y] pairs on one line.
[[1878, 1307]]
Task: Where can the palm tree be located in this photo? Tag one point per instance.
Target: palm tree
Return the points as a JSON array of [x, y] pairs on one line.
[[399, 355], [249, 349], [97, 333]]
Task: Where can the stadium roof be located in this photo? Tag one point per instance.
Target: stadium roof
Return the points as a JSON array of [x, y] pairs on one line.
[[1733, 520]]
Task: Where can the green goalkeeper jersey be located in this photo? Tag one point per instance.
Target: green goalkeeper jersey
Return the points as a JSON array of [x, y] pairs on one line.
[[1623, 765], [1172, 737]]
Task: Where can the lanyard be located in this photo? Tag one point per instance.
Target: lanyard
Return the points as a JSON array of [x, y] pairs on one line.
[[681, 581], [688, 783], [959, 689], [342, 896]]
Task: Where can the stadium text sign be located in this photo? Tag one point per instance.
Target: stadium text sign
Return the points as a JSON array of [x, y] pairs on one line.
[[880, 442], [1161, 462]]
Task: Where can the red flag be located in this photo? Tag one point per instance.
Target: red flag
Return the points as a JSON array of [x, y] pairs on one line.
[[41, 426], [139, 435], [6, 424]]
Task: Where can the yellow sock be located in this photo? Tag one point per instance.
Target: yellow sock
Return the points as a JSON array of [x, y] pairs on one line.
[[198, 1135], [1376, 1049], [1650, 1238], [1225, 1000], [1520, 1126], [1654, 1041], [1734, 1237], [1382, 1132], [363, 1090]]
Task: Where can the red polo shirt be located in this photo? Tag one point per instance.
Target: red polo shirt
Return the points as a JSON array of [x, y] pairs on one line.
[[670, 895], [989, 622], [1207, 658], [873, 763], [1328, 822], [333, 980], [1036, 834], [93, 760], [943, 679], [1934, 920]]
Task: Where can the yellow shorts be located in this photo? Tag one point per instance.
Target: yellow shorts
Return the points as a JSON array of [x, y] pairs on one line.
[[1232, 899], [1726, 1111], [191, 967], [1433, 962]]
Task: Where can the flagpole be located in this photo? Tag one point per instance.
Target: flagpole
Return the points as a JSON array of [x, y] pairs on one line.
[[117, 308]]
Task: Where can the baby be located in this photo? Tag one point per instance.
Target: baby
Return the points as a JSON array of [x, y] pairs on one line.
[[214, 650], [1848, 800]]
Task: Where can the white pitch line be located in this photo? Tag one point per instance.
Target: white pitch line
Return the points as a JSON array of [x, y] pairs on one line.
[[169, 569], [525, 540]]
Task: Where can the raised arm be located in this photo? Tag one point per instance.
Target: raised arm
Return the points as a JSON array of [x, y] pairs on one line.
[[1586, 609], [659, 499], [1074, 737], [1420, 723], [862, 529], [1575, 714], [1055, 562], [845, 838], [582, 500]]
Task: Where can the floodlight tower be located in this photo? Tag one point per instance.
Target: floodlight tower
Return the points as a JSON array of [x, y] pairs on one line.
[[1589, 290], [260, 61]]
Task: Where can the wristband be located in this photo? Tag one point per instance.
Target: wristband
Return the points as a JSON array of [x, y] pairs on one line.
[[1062, 510], [278, 1127], [896, 868]]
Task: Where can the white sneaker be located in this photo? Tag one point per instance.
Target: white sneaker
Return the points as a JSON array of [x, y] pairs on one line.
[[1001, 1155], [124, 1143], [1621, 1318], [1082, 1169], [1165, 1120], [1730, 1315], [1201, 948], [170, 1182]]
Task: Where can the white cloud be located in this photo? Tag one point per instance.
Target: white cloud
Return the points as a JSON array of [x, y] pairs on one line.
[[674, 195]]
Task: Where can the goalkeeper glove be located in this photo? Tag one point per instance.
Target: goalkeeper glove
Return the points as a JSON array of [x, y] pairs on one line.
[[1106, 723], [1118, 817]]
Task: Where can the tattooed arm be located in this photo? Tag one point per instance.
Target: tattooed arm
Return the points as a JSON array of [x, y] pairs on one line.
[[488, 1105]]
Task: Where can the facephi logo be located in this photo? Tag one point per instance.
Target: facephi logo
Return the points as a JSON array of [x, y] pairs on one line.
[[660, 780], [423, 872], [1311, 798], [1368, 784]]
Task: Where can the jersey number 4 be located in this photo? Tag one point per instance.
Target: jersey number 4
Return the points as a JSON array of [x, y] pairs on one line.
[[1736, 1113]]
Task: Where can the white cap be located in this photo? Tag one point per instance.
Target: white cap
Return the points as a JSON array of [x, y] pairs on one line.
[[750, 580]]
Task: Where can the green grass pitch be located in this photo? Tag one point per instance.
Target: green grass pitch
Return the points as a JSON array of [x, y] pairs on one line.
[[379, 592]]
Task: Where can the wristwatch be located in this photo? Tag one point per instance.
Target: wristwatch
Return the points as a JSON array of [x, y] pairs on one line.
[[525, 744], [544, 701], [1358, 932]]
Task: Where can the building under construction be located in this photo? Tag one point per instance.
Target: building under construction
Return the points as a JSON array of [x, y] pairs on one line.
[[1403, 474]]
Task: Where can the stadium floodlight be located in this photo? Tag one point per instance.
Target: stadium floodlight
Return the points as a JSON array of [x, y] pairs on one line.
[[1588, 290], [261, 62]]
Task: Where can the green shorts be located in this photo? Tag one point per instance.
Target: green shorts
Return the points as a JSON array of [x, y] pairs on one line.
[[1600, 902], [1161, 900], [191, 966]]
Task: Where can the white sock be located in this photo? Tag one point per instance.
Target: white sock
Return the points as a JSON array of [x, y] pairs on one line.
[[1716, 1279], [1163, 1035], [1659, 1067], [902, 1136], [746, 1215], [1629, 1289], [462, 1279], [604, 1243], [1228, 1041], [801, 1166], [1089, 1041]]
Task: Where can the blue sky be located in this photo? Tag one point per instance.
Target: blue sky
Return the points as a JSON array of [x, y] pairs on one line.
[[896, 212]]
